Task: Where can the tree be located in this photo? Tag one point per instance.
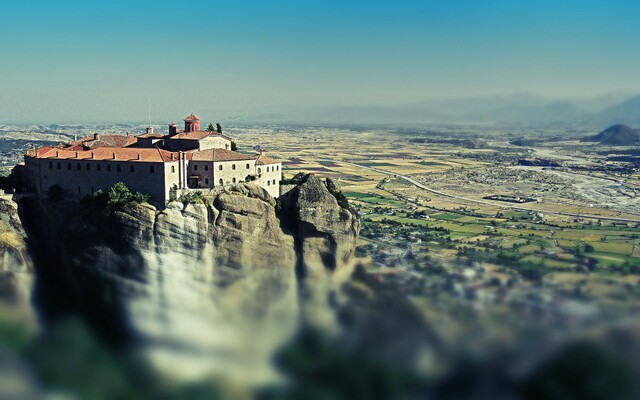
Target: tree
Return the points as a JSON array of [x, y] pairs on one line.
[[234, 146], [119, 194], [210, 128], [218, 128]]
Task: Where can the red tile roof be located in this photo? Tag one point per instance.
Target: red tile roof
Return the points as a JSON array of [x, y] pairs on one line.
[[263, 160], [194, 135], [198, 135], [192, 117], [220, 155], [151, 136], [228, 155], [107, 154], [89, 142]]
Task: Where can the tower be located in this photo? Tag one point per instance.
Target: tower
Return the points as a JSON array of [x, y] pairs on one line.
[[192, 123]]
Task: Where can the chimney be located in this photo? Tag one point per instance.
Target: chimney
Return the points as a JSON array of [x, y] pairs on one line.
[[149, 129], [172, 129], [75, 138], [76, 154], [114, 155], [138, 156], [96, 136], [57, 153], [92, 155]]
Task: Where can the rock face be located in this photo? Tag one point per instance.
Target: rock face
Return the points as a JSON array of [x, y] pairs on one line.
[[199, 277], [247, 233], [214, 287], [16, 266], [326, 231]]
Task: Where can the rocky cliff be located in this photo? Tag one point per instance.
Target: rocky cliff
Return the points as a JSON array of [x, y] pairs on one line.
[[212, 287], [193, 278], [16, 266]]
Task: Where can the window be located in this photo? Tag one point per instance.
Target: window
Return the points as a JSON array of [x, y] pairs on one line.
[[152, 169], [98, 167], [50, 164], [173, 169], [259, 171], [248, 166], [78, 167], [206, 167], [267, 169], [68, 165], [195, 167], [206, 181], [233, 167], [221, 181], [274, 181], [88, 167], [59, 165], [119, 167], [131, 168], [109, 167], [277, 168], [220, 168], [268, 183], [233, 180]]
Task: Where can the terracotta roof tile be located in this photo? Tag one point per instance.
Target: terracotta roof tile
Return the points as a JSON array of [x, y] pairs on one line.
[[192, 117], [263, 160], [220, 155], [228, 155], [107, 154]]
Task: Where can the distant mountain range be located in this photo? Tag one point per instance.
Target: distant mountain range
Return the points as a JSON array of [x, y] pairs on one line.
[[618, 135], [514, 110]]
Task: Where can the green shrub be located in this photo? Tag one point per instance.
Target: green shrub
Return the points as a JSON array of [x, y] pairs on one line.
[[119, 195], [191, 198]]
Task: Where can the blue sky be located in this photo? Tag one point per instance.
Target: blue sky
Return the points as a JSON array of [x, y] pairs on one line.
[[65, 61]]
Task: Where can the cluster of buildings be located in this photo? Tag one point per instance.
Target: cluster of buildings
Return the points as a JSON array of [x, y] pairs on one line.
[[160, 165]]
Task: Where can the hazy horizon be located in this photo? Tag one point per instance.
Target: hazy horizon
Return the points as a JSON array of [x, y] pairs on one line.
[[72, 61]]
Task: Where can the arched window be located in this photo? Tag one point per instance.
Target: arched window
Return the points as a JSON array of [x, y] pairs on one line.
[[248, 166], [268, 183], [195, 167], [206, 181], [206, 167], [233, 180], [221, 182], [220, 167], [233, 167], [173, 169], [277, 168]]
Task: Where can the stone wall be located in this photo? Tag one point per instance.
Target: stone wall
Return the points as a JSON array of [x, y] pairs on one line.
[[85, 177]]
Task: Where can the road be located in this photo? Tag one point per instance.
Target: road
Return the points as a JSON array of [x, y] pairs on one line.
[[514, 207]]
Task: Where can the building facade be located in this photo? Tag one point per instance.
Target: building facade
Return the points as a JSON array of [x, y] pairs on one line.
[[151, 163]]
